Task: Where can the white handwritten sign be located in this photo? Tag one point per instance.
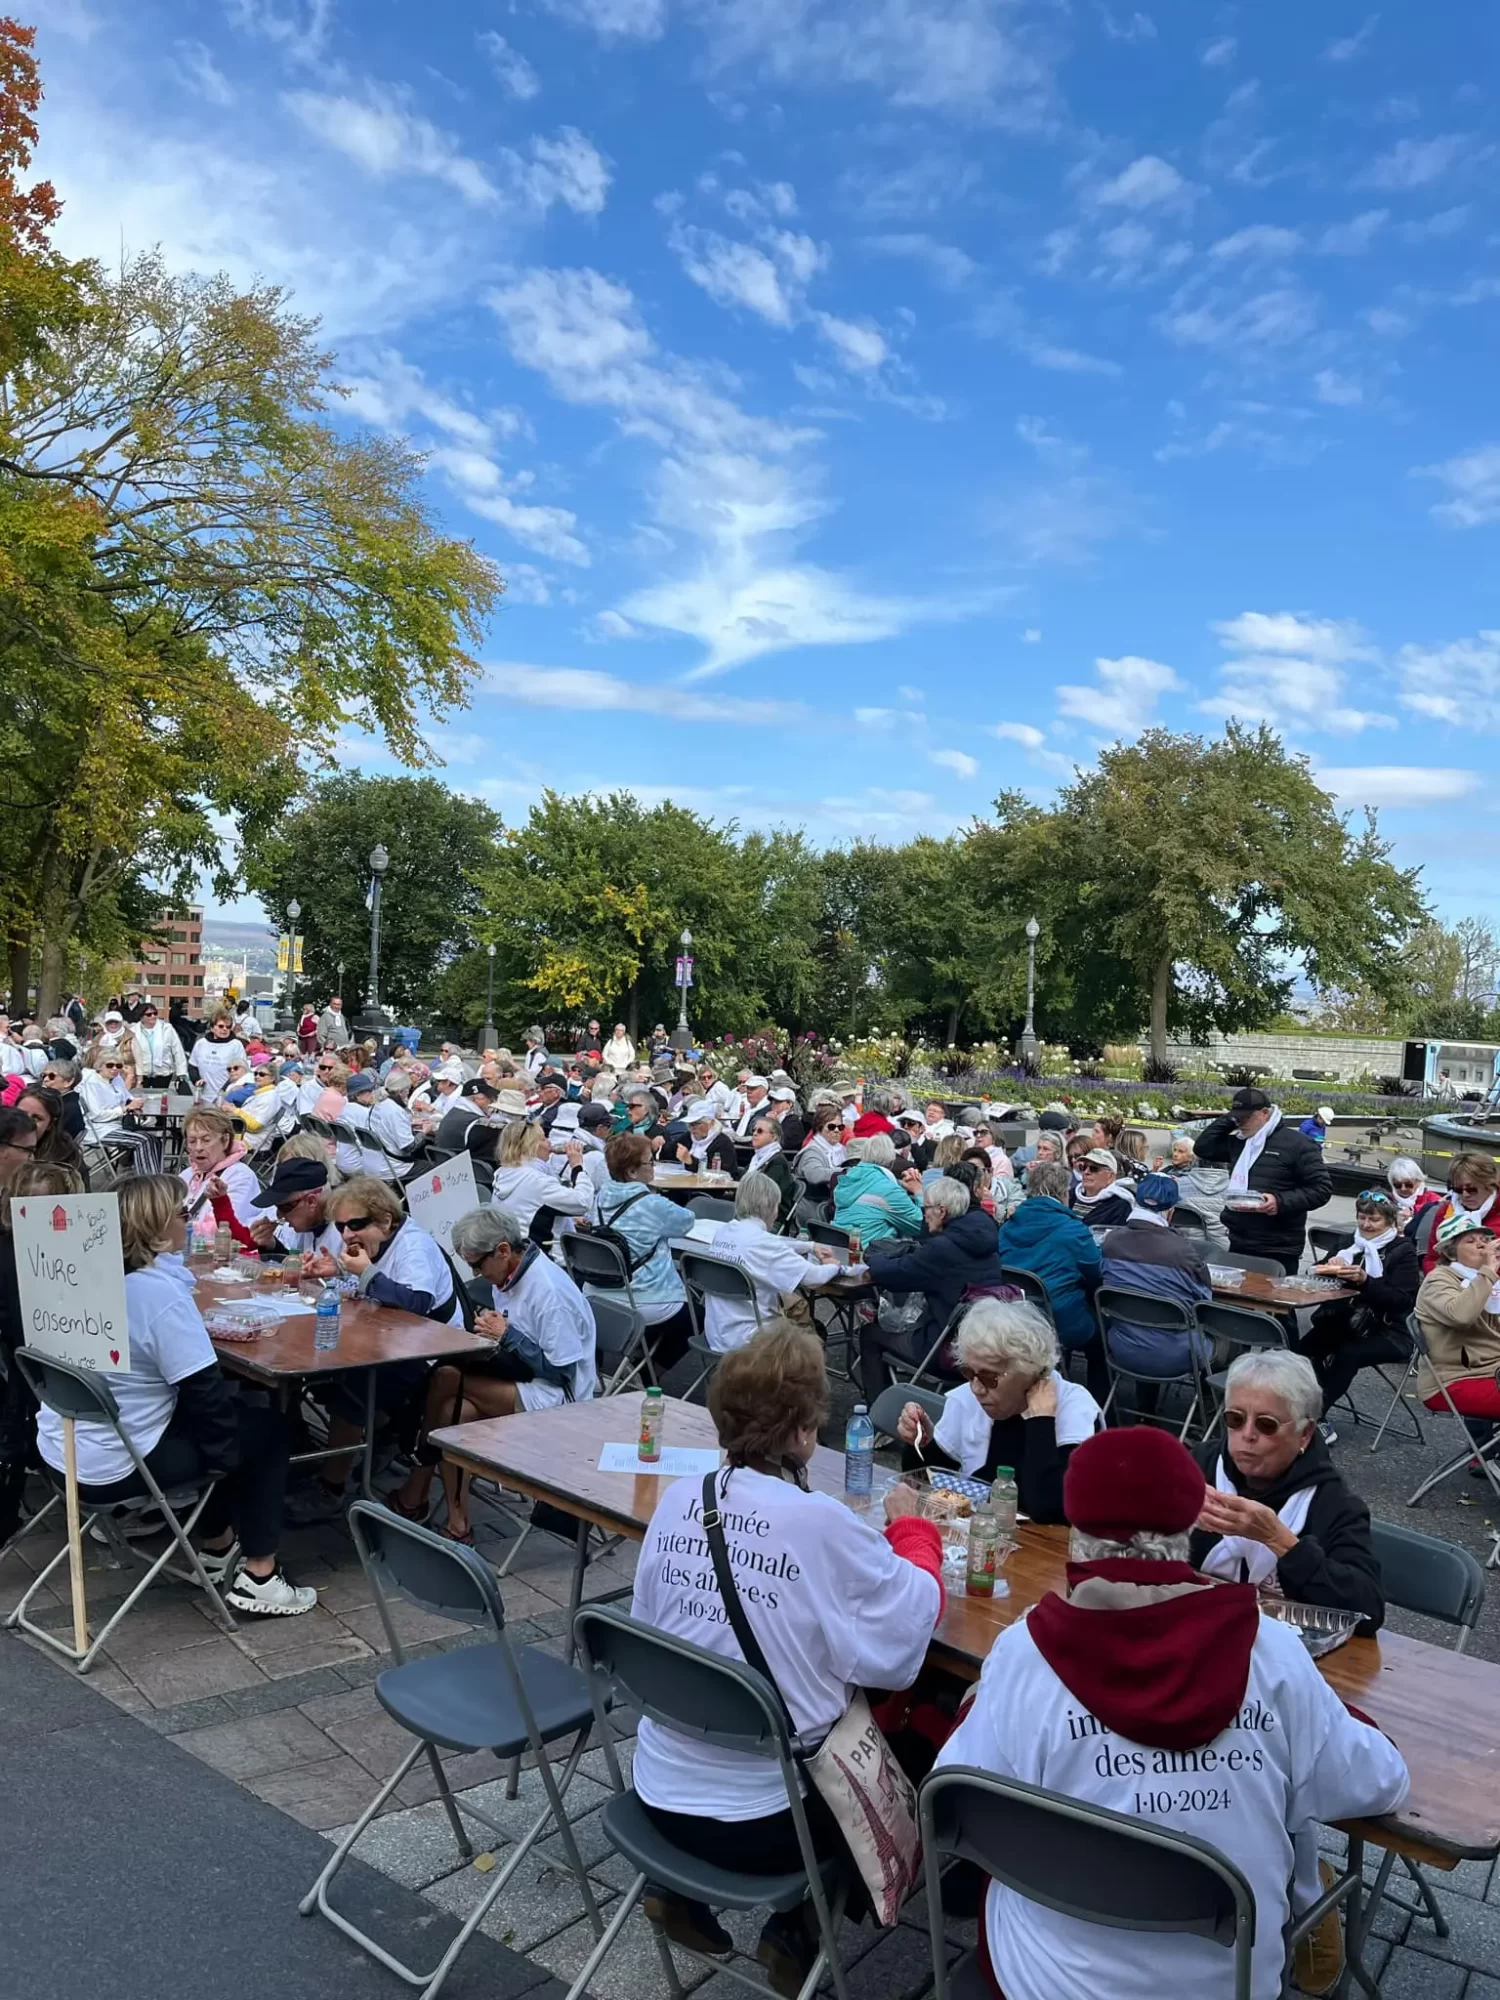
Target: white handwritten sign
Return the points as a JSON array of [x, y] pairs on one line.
[[438, 1198], [72, 1278]]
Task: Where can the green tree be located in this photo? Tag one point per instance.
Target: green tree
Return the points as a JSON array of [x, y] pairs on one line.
[[440, 843]]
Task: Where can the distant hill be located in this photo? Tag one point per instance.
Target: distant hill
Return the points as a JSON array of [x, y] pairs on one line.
[[226, 937]]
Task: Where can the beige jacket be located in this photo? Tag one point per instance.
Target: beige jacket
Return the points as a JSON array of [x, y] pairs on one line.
[[1463, 1339]]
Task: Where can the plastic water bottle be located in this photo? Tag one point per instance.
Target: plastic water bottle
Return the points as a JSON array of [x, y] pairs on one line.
[[223, 1244], [1002, 1502], [326, 1322], [859, 1454]]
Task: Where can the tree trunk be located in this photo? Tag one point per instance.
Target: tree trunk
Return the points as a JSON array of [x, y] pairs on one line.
[[1161, 991], [955, 1015], [633, 1014], [20, 975], [49, 984]]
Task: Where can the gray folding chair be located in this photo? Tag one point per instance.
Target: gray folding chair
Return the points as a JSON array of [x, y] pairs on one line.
[[484, 1697], [1234, 1330], [1032, 1288], [1324, 1239], [87, 1398], [1436, 1579], [885, 1411], [622, 1349], [1267, 1267], [711, 1208], [1134, 1308], [708, 1276], [1188, 1222], [1083, 1861], [827, 1234], [723, 1703]]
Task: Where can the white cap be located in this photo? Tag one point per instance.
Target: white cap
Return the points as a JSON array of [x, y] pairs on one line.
[[695, 1113], [449, 1072], [755, 1083], [1325, 1112], [566, 1119], [781, 1095]]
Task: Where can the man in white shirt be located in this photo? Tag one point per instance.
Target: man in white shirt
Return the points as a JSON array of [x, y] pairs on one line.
[[753, 1094], [297, 1222], [774, 1264], [1213, 1721]]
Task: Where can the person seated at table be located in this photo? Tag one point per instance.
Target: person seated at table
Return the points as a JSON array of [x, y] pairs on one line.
[[543, 1332], [44, 1107], [179, 1411], [868, 1200], [1457, 1312], [62, 1074], [775, 1265], [1277, 1512], [364, 1156], [819, 1159], [108, 1105], [1045, 1237], [1409, 1185], [1201, 1187], [639, 1113], [526, 1186], [707, 1147], [216, 1171], [1145, 1254], [1047, 1152], [1012, 1409], [650, 1224], [270, 1107], [957, 1254], [853, 1608], [1473, 1179], [1349, 1334], [390, 1119], [941, 1155], [297, 1196], [768, 1158], [1170, 1674], [1102, 1200]]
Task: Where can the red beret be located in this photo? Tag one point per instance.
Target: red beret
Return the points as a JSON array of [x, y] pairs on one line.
[[1134, 1481]]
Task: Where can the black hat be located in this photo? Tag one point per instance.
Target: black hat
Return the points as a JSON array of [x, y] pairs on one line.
[[1247, 1100], [480, 1086], [292, 1177], [592, 1114]]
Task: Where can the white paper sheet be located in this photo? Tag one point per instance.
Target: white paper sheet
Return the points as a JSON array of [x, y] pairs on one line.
[[677, 1461]]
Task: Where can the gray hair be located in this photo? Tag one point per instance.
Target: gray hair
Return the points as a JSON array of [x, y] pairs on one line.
[[69, 1068], [879, 1100], [757, 1199], [879, 1149], [1084, 1548], [1053, 1141], [1012, 1331], [1408, 1169], [482, 1231], [1279, 1373], [1048, 1177], [952, 1197]]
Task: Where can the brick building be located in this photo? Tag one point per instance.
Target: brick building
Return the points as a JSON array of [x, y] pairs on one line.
[[171, 962]]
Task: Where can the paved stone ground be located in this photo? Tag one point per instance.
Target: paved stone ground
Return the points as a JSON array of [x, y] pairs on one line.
[[288, 1711]]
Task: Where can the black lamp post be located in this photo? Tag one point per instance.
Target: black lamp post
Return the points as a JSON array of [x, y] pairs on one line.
[[680, 1037], [1028, 1033], [373, 1021], [488, 1039], [287, 1024]]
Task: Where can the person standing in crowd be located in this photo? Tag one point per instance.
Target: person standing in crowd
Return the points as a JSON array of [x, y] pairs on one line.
[[1316, 1126], [334, 1031], [211, 1055], [1276, 1177], [160, 1059], [537, 1057], [307, 1030], [619, 1051]]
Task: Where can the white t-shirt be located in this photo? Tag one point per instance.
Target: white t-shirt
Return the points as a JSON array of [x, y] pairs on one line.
[[326, 1238], [774, 1265], [963, 1430], [547, 1308], [522, 1190], [1293, 1758], [168, 1342], [832, 1604], [211, 1060], [415, 1259]]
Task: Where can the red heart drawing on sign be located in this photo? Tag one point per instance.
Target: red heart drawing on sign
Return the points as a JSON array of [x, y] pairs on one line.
[[437, 1183], [114, 1354]]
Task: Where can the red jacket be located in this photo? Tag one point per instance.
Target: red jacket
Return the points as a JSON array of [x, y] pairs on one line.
[[868, 1123]]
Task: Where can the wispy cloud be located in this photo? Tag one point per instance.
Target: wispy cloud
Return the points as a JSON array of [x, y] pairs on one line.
[[1355, 237], [1473, 483], [512, 71], [1288, 669], [1348, 47], [1416, 163], [949, 265], [1024, 733], [1126, 698], [959, 762], [582, 692], [1147, 183], [1397, 784], [1220, 53], [1456, 683]]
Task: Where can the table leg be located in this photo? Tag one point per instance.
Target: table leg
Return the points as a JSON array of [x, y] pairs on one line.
[[575, 1595], [367, 1457], [1356, 1928]]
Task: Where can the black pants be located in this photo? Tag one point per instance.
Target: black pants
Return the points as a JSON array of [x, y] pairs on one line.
[[249, 1498], [758, 1846], [1337, 1355], [668, 1340]]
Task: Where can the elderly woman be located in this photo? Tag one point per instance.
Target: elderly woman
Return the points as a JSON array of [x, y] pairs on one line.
[[543, 1332], [639, 1112], [525, 1185], [650, 1225], [220, 1186], [1409, 1185], [1349, 1334], [183, 1418], [869, 1201], [708, 1148], [1473, 1179], [821, 1154], [1046, 1237], [767, 1158], [957, 1254], [62, 1074], [1459, 1322], [944, 1153], [392, 1259], [852, 1607], [1277, 1512], [107, 1104], [775, 1265], [1013, 1409]]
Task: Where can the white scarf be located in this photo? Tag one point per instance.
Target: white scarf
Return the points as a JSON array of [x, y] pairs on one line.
[[1226, 1556], [1478, 1213], [699, 1147], [1466, 1274], [1151, 1215], [1107, 1193], [1368, 1249], [762, 1155], [1250, 1152]]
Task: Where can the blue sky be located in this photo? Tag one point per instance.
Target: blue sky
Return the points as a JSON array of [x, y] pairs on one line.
[[876, 403]]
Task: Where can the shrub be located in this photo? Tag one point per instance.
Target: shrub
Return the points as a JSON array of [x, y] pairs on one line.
[[1153, 1071]]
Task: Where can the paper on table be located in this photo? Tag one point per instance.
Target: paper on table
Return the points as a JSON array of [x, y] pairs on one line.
[[677, 1461], [703, 1230]]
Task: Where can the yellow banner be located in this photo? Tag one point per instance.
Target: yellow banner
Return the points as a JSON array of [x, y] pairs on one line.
[[283, 952], [297, 966]]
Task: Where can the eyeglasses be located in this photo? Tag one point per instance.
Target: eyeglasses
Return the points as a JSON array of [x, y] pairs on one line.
[[352, 1222], [1405, 1187], [983, 1378], [13, 1146], [1261, 1423], [1466, 1187]]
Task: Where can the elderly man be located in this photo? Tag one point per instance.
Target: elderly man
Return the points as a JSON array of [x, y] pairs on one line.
[[1101, 1199], [537, 1057], [296, 1197], [160, 1059], [441, 1091], [1155, 1693], [1276, 1176], [1145, 1254], [334, 1031], [754, 1093]]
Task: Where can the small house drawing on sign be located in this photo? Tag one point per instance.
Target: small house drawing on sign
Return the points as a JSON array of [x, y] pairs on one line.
[[59, 1218]]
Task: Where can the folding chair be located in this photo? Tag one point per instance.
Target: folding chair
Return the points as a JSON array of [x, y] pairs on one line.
[[1243, 1261], [622, 1348], [88, 1398], [827, 1234], [885, 1411], [485, 1697], [845, 1323], [1479, 1454], [897, 1361], [1188, 1222], [1398, 1391], [1083, 1861], [711, 1208], [1234, 1330], [1324, 1240], [1134, 1308], [706, 1275], [1032, 1288], [1436, 1579], [728, 1705]]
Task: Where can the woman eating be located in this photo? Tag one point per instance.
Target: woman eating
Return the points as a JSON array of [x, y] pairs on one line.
[[708, 1148], [1473, 1179], [392, 1259], [1277, 1513], [1349, 1334], [1013, 1409], [852, 1607], [1458, 1311], [220, 1186]]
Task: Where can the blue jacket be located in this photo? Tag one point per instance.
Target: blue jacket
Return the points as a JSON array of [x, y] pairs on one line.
[[1146, 1257], [1045, 1237], [871, 1201], [941, 1267]]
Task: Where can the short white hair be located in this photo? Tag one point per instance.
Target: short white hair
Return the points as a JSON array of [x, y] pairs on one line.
[[1404, 1168], [879, 1149], [1141, 1547], [952, 1197], [1280, 1373], [757, 1198], [1011, 1331]]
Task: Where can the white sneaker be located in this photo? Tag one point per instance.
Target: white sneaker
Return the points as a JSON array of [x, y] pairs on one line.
[[270, 1596]]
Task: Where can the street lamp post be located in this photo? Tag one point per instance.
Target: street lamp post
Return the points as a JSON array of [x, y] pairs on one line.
[[488, 1039], [1028, 1033], [680, 1037], [373, 1019]]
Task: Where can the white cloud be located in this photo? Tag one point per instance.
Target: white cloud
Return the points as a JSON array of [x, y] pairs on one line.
[[513, 73], [1031, 636], [1331, 640], [526, 584], [912, 694], [959, 762], [1458, 683], [641, 20], [583, 692], [948, 264], [858, 346], [1416, 163], [1288, 671], [1023, 733], [874, 718], [1247, 328], [1473, 482], [1125, 702], [1349, 46], [737, 618], [1397, 784], [201, 74], [1354, 238], [1149, 182], [1261, 239], [568, 169], [299, 28], [1133, 27], [768, 283], [1337, 389], [1219, 54]]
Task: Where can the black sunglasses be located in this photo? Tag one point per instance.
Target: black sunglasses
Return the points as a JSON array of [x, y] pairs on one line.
[[353, 1222], [1264, 1425]]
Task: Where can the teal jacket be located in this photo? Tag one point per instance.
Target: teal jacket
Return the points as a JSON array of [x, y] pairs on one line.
[[872, 1202]]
